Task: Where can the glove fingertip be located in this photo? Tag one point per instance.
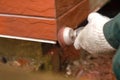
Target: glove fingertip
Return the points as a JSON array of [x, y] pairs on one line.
[[92, 16], [77, 46]]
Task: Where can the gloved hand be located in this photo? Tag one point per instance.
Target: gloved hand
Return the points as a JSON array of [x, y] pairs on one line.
[[91, 38]]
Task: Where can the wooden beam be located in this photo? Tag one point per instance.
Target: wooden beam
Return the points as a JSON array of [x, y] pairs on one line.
[[28, 27]]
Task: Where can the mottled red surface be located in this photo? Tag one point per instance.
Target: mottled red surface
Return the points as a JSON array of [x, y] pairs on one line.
[[102, 68], [96, 68], [92, 67]]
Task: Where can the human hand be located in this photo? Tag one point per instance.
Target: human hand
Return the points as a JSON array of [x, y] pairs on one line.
[[91, 38]]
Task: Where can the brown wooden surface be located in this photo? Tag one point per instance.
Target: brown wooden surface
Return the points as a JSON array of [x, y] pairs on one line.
[[62, 6], [48, 19], [27, 27], [46, 8], [75, 16], [28, 7]]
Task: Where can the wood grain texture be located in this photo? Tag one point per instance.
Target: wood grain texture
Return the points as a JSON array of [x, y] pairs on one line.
[[74, 16], [46, 8], [28, 7], [56, 14], [63, 6], [27, 27]]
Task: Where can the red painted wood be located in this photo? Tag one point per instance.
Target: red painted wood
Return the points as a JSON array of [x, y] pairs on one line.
[[28, 7], [62, 6], [48, 16], [75, 16], [30, 28], [46, 8]]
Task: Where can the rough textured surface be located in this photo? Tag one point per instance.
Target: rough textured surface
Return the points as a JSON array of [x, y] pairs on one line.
[[27, 56]]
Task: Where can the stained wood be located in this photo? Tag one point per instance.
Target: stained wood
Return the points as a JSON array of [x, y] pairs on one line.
[[46, 8], [48, 19], [75, 16], [28, 7], [62, 6], [27, 27]]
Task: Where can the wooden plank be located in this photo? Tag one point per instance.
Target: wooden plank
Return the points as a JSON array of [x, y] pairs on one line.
[[75, 16], [46, 8], [64, 5], [70, 14], [28, 27], [28, 7]]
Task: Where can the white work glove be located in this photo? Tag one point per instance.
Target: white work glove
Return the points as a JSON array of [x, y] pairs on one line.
[[91, 38]]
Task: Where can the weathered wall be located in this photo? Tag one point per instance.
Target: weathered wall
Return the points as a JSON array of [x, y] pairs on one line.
[[10, 47]]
